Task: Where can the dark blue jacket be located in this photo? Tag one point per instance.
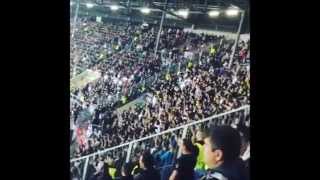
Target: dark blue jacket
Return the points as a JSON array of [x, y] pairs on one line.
[[231, 171]]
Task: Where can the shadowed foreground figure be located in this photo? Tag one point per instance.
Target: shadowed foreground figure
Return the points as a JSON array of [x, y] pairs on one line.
[[222, 155], [148, 171]]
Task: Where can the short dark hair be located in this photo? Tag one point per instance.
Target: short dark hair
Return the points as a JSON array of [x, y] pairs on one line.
[[147, 159], [190, 147], [74, 171], [226, 139]]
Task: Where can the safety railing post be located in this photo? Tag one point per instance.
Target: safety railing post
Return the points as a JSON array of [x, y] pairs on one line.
[[184, 134], [129, 152], [85, 168]]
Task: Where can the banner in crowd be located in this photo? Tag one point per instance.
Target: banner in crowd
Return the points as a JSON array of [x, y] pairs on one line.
[[81, 80], [81, 136]]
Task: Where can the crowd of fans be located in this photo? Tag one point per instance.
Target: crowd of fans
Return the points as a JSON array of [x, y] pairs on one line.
[[123, 54], [198, 158], [201, 85], [204, 89]]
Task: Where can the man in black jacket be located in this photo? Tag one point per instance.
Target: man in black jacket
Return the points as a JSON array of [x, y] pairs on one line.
[[146, 164], [221, 155]]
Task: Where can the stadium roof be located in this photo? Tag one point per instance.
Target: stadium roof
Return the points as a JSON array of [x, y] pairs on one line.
[[198, 11], [195, 4]]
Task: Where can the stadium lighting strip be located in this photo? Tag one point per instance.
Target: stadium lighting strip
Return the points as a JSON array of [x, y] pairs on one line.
[[114, 7], [183, 12], [214, 13], [89, 5], [245, 107], [232, 11], [145, 10]]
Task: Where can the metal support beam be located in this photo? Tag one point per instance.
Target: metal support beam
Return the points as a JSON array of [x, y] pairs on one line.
[[129, 10], [75, 18], [169, 12], [160, 29], [237, 38]]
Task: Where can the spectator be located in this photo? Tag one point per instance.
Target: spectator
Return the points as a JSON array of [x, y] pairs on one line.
[[167, 160], [221, 154], [103, 172], [126, 172], [146, 164], [198, 140], [245, 144], [184, 168], [75, 175]]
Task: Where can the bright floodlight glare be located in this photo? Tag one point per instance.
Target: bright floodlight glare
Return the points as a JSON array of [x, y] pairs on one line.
[[183, 13], [89, 5], [114, 7], [71, 3], [214, 13], [232, 12], [145, 10]]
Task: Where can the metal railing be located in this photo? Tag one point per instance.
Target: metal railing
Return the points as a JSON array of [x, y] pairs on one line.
[[129, 148]]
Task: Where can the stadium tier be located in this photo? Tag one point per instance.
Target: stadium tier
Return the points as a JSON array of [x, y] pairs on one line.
[[153, 99]]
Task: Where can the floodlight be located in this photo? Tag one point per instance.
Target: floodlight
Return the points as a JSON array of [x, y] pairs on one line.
[[89, 5], [71, 3], [183, 13], [145, 10], [232, 12], [114, 7], [214, 13]]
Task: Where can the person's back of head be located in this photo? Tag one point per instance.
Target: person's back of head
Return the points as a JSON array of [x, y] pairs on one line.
[[103, 174], [200, 134], [74, 173], [188, 146], [126, 169], [146, 160]]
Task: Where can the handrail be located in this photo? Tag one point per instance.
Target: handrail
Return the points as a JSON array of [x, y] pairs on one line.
[[161, 133]]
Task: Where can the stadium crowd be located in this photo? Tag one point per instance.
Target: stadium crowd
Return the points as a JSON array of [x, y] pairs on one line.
[[198, 158], [203, 85]]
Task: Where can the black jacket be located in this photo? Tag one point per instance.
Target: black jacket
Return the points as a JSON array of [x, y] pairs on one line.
[[185, 167], [126, 178], [232, 171], [149, 174]]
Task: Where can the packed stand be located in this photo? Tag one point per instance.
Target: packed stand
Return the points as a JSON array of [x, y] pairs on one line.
[[209, 152], [205, 88], [124, 56]]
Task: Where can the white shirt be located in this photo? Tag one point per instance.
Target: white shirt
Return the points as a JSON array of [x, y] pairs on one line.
[[89, 131], [234, 79], [198, 92], [154, 101], [92, 107], [99, 166]]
